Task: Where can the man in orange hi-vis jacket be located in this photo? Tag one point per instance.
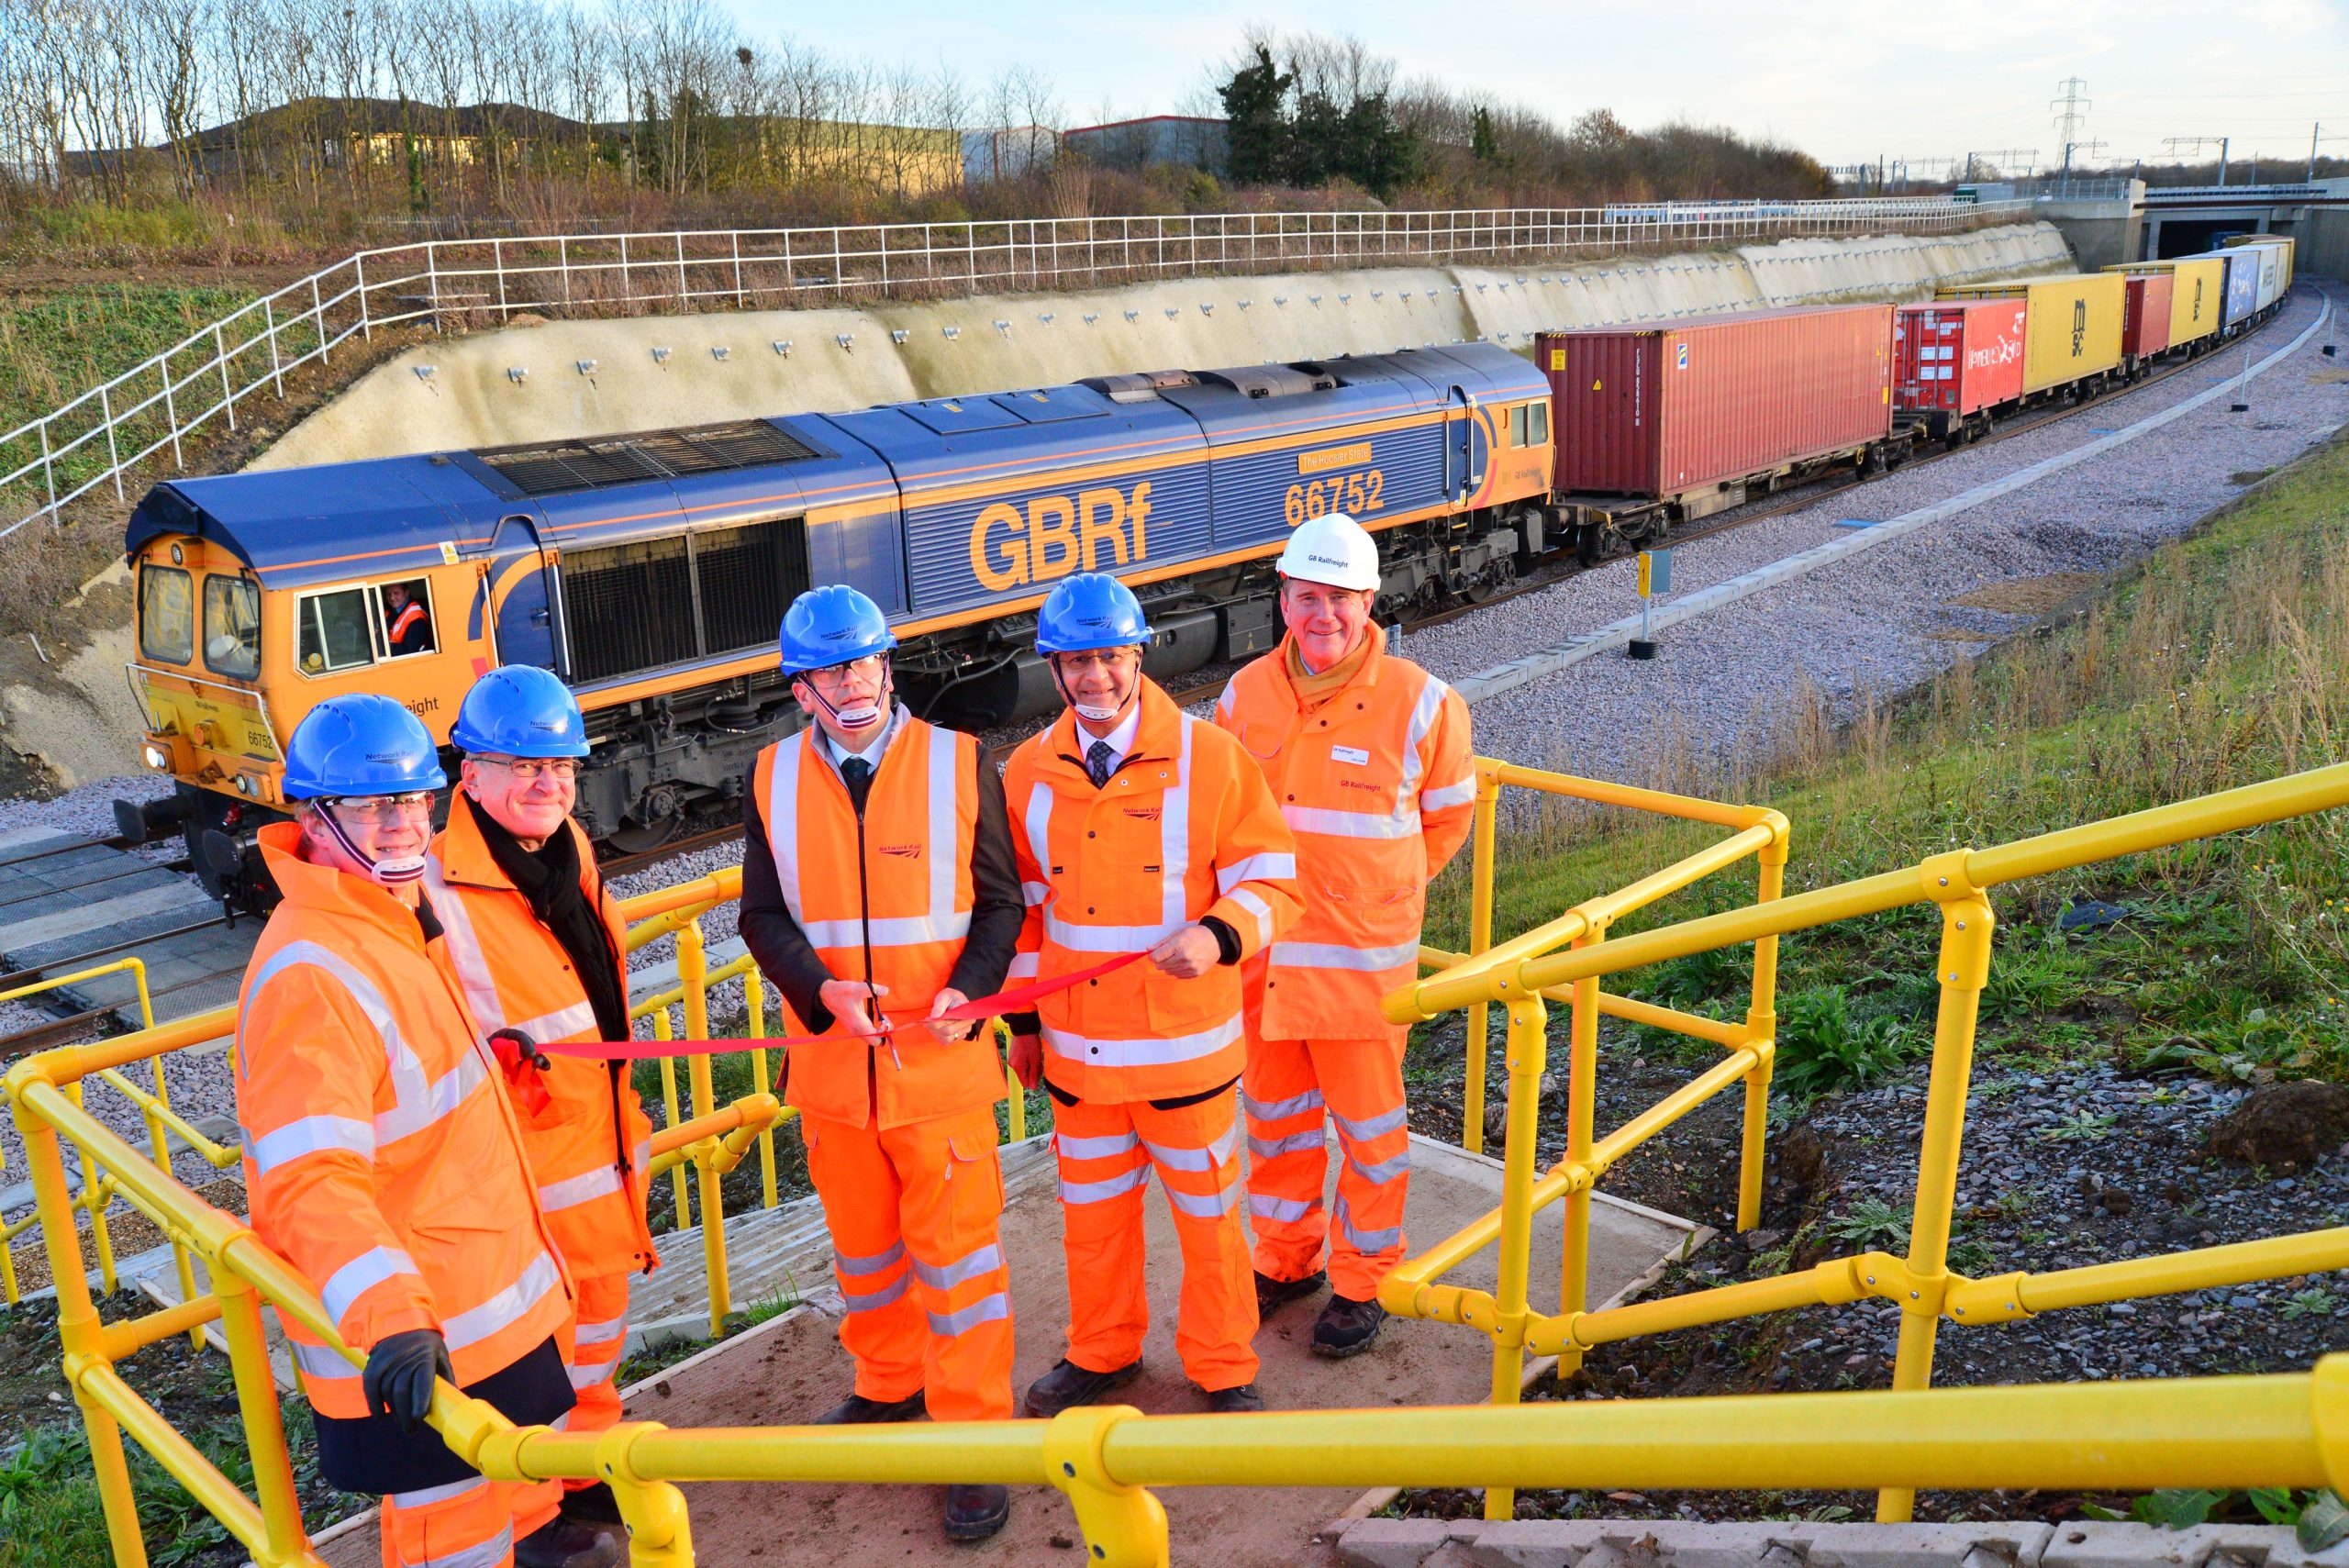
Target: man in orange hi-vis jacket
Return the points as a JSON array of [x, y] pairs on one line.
[[539, 947], [1369, 754], [383, 1161], [879, 893], [1142, 831]]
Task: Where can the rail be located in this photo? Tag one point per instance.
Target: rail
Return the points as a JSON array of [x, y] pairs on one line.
[[102, 436], [1957, 883]]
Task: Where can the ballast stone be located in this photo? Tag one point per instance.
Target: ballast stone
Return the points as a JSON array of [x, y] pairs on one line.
[[1645, 1544]]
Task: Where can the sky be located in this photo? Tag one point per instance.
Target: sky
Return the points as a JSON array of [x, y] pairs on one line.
[[1845, 79]]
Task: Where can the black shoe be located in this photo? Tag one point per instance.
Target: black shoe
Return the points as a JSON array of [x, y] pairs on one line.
[[1270, 1292], [567, 1543], [1240, 1401], [974, 1513], [1347, 1327], [1069, 1383], [856, 1410], [592, 1506]]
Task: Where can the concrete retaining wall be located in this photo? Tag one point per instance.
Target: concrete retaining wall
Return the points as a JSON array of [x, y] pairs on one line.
[[1640, 1543], [604, 376]]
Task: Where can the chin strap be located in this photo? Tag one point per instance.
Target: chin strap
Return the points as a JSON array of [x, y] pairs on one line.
[[393, 872], [880, 702], [1088, 714]]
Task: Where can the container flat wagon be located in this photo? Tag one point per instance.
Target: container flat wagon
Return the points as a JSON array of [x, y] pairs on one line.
[[1957, 365], [1660, 424], [2072, 333], [2196, 297]]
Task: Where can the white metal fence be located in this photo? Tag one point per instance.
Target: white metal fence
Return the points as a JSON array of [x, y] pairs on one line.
[[101, 437]]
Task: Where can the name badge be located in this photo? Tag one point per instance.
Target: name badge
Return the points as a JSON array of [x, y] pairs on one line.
[[1354, 754]]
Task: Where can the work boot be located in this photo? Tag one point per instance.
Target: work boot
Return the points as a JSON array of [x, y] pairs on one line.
[[1347, 1327], [974, 1513], [1272, 1293], [856, 1410], [593, 1506], [1242, 1401], [1069, 1383], [567, 1543]]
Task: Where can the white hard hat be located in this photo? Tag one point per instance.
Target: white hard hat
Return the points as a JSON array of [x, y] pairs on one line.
[[1333, 549]]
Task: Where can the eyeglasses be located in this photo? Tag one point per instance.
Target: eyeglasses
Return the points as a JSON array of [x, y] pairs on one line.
[[871, 665], [530, 768], [1114, 658], [384, 808]]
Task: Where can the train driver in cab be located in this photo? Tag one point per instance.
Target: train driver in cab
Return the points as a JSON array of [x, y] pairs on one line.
[[540, 948], [407, 625], [1369, 756], [1149, 834], [384, 1162], [879, 893]]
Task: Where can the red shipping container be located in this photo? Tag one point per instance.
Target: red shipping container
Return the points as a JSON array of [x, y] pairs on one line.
[[1956, 357], [1670, 412], [2145, 322]]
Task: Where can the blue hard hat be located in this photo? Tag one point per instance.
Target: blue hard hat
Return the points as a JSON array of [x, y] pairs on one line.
[[520, 710], [360, 744], [832, 625], [1089, 611]]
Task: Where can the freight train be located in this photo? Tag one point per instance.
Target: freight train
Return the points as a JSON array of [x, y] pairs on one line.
[[649, 570]]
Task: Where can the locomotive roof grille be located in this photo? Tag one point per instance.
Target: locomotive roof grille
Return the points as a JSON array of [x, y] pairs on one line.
[[550, 468]]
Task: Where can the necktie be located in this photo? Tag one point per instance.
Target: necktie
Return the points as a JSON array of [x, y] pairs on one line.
[[857, 773], [1096, 762]]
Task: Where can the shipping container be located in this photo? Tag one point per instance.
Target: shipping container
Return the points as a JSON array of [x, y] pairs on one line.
[[2273, 261], [2196, 296], [2243, 287], [2291, 249], [2073, 330], [2144, 318], [1686, 413], [1954, 359]]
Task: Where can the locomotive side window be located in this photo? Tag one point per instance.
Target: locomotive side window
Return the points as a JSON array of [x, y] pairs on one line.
[[407, 617], [1519, 435], [232, 627], [1537, 424], [166, 614], [338, 632]]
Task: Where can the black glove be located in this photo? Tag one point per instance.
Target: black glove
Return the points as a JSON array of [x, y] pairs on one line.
[[398, 1378]]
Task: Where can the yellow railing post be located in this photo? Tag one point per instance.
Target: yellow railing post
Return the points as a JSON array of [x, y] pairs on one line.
[[281, 1505], [1480, 938], [80, 1332], [669, 1104], [1124, 1525], [1761, 1030], [1581, 1115], [693, 978], [1529, 1045], [1016, 1117], [754, 994], [1962, 968]]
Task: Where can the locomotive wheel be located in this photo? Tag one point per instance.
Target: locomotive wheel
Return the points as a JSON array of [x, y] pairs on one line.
[[658, 815]]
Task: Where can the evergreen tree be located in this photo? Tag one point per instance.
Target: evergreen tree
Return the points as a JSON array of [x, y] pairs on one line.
[[1484, 145], [1258, 148]]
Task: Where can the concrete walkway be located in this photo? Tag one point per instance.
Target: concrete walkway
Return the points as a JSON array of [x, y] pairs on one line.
[[792, 1368]]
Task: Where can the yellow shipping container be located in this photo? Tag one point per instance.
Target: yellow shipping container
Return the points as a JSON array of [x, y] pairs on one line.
[[2196, 300], [2291, 249], [2071, 323]]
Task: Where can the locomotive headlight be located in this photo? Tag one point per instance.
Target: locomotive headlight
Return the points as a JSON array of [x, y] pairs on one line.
[[157, 759], [244, 783]]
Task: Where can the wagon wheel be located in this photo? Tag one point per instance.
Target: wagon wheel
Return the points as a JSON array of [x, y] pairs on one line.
[[658, 815]]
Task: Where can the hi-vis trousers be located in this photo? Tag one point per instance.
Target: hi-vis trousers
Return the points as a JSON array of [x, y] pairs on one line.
[[913, 1212], [599, 1334], [1107, 1152], [466, 1524], [1289, 1085]]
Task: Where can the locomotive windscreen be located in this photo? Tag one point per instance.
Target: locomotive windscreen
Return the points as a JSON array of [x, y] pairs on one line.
[[666, 601]]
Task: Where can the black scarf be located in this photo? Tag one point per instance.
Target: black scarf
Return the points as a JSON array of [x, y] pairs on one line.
[[548, 878]]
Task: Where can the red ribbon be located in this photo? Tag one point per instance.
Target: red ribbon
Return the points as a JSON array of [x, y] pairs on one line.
[[1017, 999]]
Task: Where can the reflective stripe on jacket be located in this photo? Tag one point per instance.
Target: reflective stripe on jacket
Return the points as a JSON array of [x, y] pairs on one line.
[[882, 896], [382, 1158], [1184, 830], [1377, 781], [589, 1147]]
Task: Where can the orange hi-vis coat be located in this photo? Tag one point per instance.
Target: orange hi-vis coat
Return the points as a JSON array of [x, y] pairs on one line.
[[886, 897], [589, 1148], [1376, 779], [382, 1158], [1184, 830], [591, 1144]]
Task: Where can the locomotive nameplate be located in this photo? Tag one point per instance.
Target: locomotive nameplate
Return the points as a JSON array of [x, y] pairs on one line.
[[1327, 458]]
